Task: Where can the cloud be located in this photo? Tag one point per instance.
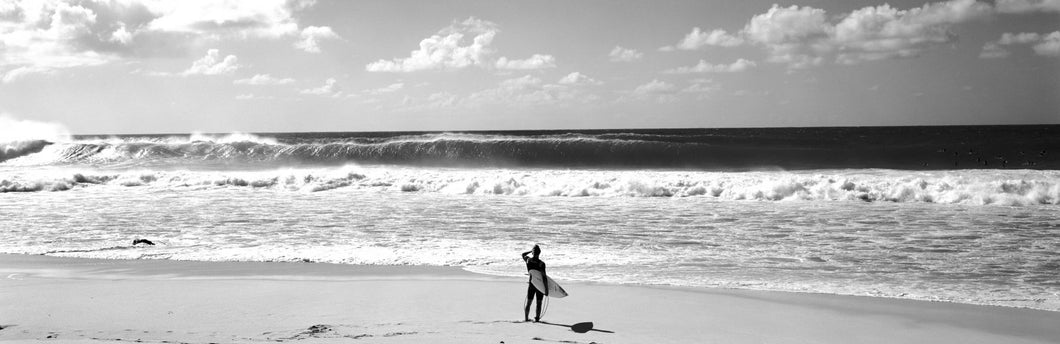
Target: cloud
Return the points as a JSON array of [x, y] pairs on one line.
[[804, 36], [787, 25], [1019, 38], [259, 18], [121, 35], [578, 79], [655, 90], [529, 90], [50, 35], [434, 101], [43, 37], [883, 32], [525, 89], [251, 96], [537, 61], [311, 37], [620, 54], [1028, 6], [1050, 45], [460, 45], [703, 67], [263, 79], [448, 49], [793, 35], [388, 89], [1043, 44], [992, 50], [701, 88], [213, 64], [654, 87], [330, 88], [698, 39]]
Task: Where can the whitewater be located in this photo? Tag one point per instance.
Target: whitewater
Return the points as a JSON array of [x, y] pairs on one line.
[[692, 209]]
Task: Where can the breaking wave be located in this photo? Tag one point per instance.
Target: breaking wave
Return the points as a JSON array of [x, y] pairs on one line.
[[978, 187], [720, 150]]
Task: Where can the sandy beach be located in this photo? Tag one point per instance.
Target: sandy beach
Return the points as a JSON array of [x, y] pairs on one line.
[[73, 300]]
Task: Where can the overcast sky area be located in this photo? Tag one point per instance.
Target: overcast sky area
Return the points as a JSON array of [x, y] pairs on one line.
[[131, 66]]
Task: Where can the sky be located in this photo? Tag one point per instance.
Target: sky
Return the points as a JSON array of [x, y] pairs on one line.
[[152, 66]]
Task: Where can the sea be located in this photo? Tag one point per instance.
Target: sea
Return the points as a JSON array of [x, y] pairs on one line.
[[965, 214]]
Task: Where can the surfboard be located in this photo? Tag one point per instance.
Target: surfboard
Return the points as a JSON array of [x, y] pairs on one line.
[[554, 290]]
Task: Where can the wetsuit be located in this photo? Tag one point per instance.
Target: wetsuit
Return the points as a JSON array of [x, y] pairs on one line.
[[532, 292]]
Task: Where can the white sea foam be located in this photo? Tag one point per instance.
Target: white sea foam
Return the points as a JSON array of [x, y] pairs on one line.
[[952, 252], [17, 130], [233, 137], [978, 187]]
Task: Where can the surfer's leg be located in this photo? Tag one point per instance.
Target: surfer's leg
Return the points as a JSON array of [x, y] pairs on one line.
[[530, 290], [538, 295]]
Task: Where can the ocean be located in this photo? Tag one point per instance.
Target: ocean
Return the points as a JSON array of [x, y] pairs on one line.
[[956, 214]]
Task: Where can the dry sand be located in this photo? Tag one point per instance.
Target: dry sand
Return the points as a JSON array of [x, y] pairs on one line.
[[89, 301]]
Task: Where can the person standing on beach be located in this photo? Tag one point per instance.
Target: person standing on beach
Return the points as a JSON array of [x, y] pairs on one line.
[[534, 263]]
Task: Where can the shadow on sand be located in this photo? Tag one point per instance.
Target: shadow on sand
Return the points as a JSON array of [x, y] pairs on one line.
[[581, 327]]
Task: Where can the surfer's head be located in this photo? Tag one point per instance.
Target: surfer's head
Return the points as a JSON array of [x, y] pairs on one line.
[[537, 250]]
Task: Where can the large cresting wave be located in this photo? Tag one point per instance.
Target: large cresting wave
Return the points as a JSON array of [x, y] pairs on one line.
[[910, 148]]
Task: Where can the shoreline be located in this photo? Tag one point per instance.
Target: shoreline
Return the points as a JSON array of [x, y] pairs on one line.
[[94, 300]]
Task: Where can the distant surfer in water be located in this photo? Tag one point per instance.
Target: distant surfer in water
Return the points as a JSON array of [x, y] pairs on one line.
[[534, 263]]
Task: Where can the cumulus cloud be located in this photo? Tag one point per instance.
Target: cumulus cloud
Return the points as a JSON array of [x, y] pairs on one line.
[[213, 64], [259, 18], [311, 36], [698, 39], [448, 49], [330, 88], [41, 37], [882, 32], [121, 35], [654, 87], [263, 79], [620, 54], [703, 67], [1043, 44], [1049, 46], [49, 35], [537, 61], [794, 35], [577, 78], [806, 36], [460, 45], [1019, 38], [1028, 6]]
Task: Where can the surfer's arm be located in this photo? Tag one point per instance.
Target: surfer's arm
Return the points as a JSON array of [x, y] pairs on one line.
[[525, 255]]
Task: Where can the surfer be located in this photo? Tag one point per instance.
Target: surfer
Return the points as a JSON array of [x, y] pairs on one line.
[[534, 263]]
